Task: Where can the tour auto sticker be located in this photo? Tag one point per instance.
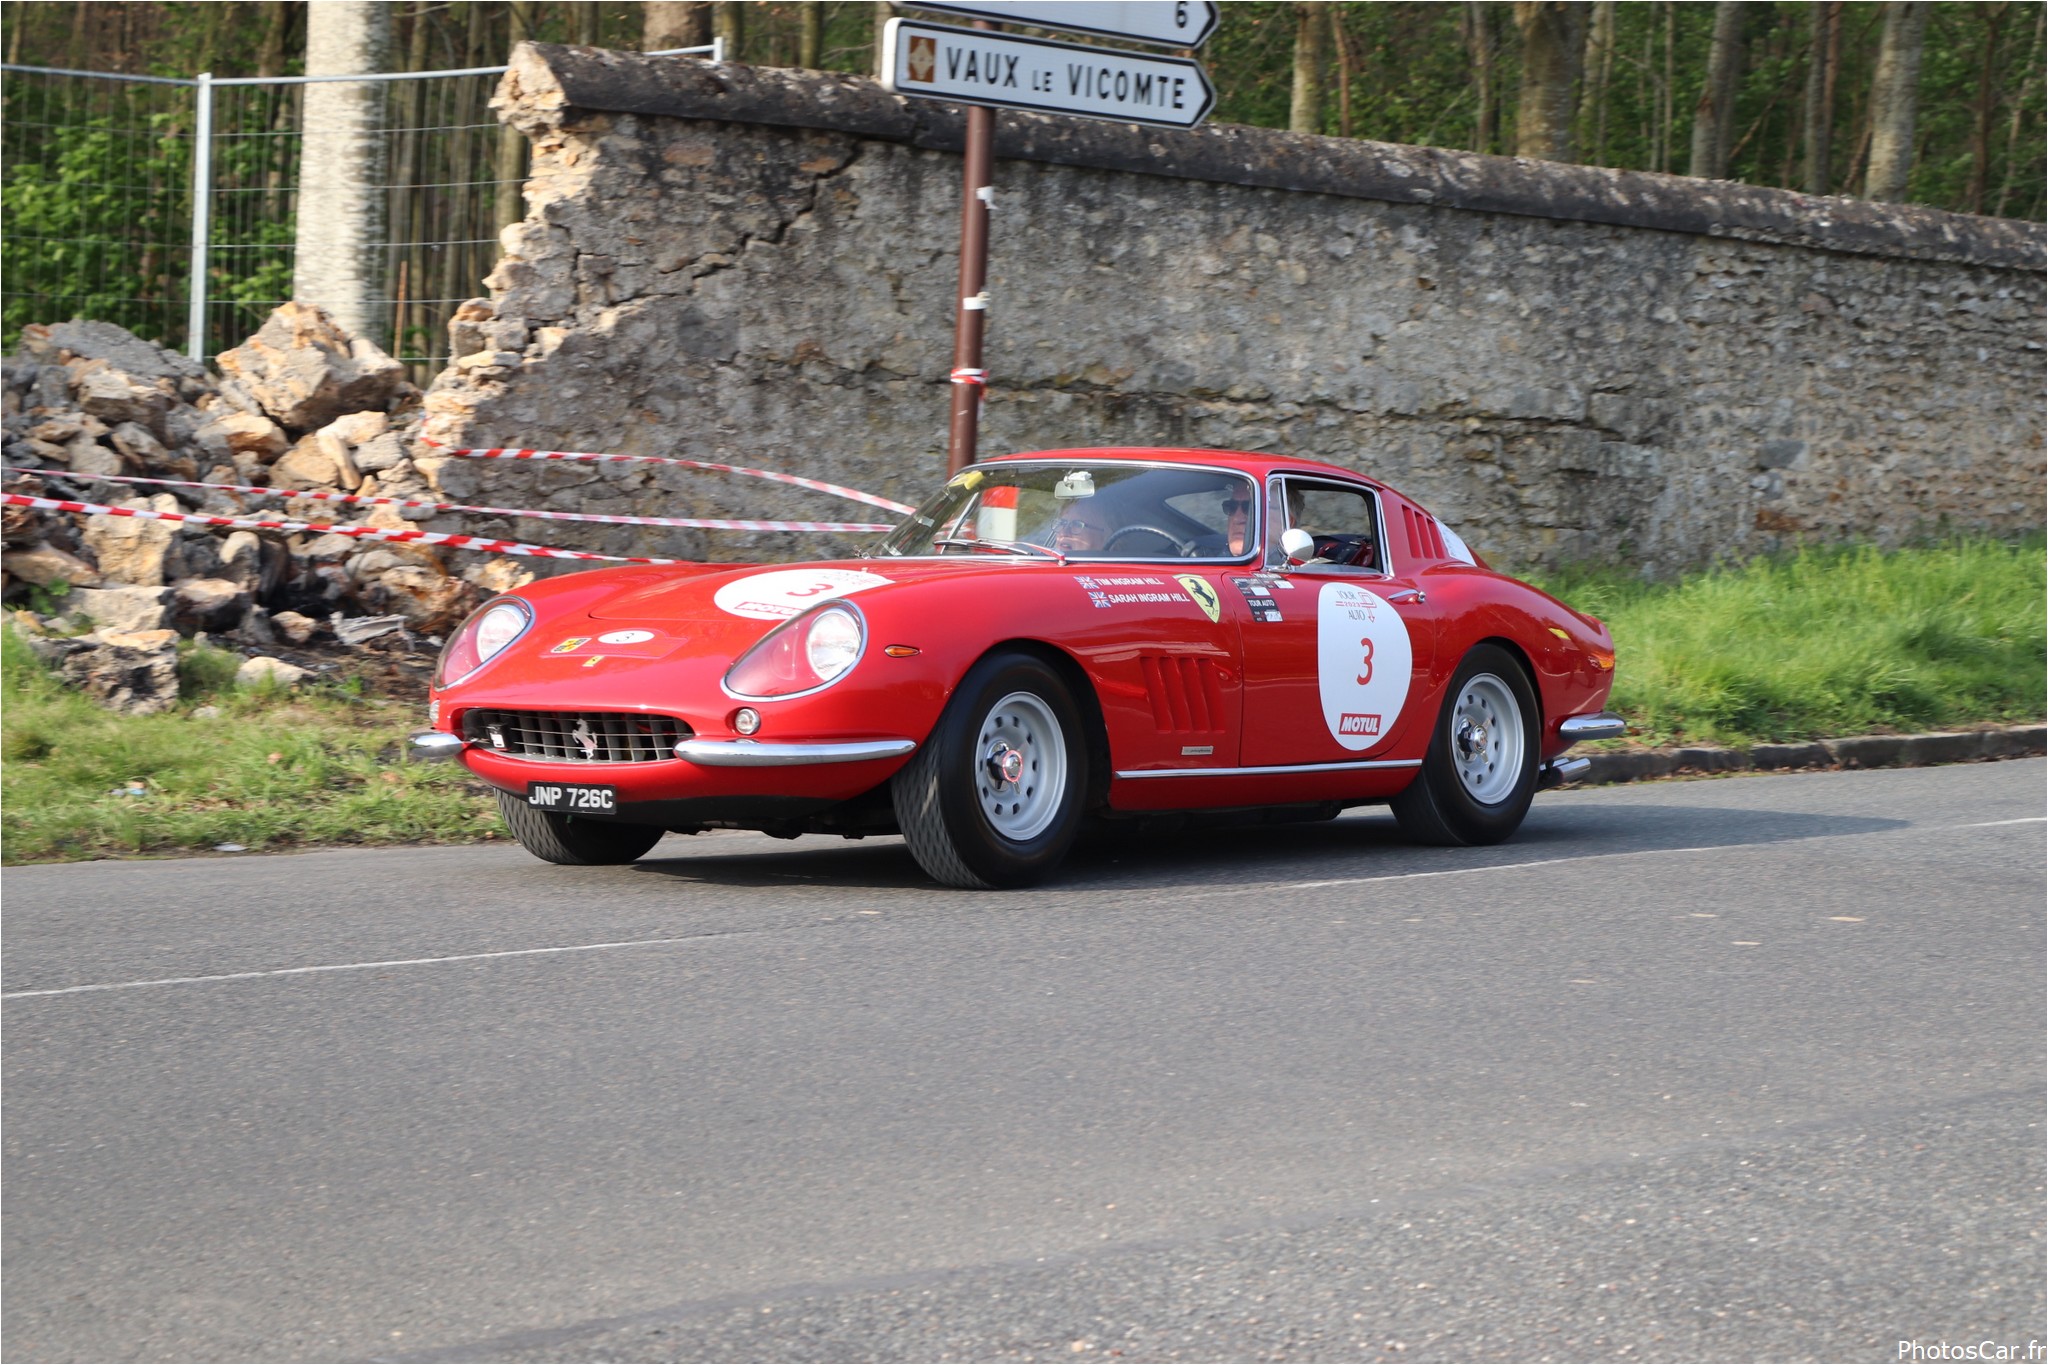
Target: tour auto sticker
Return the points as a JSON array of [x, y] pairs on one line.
[[782, 594], [1197, 587], [1363, 659]]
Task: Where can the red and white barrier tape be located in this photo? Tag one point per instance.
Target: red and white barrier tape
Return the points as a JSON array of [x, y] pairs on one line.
[[408, 536], [698, 523], [507, 453]]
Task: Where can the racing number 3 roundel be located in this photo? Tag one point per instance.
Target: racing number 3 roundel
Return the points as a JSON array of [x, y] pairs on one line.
[[1363, 663]]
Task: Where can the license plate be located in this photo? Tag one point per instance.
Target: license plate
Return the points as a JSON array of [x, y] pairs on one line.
[[573, 797]]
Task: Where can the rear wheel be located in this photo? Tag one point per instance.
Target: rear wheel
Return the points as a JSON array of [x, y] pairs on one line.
[[574, 841], [993, 797], [1480, 773]]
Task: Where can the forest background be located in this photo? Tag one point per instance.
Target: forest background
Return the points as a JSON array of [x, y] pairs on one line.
[[1931, 103]]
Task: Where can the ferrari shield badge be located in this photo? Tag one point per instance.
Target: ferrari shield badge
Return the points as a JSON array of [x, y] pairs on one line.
[[1197, 587]]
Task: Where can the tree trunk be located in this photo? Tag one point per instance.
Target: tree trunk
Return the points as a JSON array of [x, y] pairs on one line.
[[2019, 109], [412, 226], [588, 18], [1305, 109], [884, 12], [1713, 118], [339, 264], [1826, 46], [1553, 53], [1341, 43], [1994, 16], [1894, 100], [810, 33], [511, 170], [1478, 17], [1599, 76], [674, 23], [728, 22]]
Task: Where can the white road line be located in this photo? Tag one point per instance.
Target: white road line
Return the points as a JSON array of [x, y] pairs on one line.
[[1199, 895], [357, 966]]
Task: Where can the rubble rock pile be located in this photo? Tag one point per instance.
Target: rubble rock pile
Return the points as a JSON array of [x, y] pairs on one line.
[[300, 405]]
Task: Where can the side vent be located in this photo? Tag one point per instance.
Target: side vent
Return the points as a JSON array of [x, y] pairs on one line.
[[1186, 693], [1425, 541]]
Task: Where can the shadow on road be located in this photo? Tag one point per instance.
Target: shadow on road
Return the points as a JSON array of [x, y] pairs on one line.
[[1364, 843]]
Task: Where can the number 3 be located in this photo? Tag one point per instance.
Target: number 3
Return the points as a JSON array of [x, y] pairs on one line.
[[1366, 676]]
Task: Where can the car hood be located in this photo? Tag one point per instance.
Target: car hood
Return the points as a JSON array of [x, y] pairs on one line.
[[764, 594]]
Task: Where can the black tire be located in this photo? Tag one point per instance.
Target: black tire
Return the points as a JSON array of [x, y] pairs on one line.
[[1476, 781], [966, 825], [574, 841]]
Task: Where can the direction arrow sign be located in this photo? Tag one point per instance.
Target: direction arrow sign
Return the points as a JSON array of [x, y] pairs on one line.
[[1169, 23], [970, 66]]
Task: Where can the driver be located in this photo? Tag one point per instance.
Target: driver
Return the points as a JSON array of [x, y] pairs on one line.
[[1083, 528]]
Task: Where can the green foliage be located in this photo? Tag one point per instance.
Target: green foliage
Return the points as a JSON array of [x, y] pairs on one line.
[[271, 770], [1827, 642]]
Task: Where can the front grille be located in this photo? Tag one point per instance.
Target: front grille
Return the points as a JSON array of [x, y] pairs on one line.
[[576, 736]]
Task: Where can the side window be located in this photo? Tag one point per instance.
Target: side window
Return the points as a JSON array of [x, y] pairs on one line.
[[1340, 519]]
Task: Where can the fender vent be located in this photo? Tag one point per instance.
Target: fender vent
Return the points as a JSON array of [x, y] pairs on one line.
[[1186, 693], [575, 736], [1424, 540]]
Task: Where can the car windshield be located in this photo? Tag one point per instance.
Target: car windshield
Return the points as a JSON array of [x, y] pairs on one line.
[[1082, 510]]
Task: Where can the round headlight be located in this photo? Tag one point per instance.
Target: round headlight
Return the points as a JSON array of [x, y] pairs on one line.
[[499, 627], [832, 643]]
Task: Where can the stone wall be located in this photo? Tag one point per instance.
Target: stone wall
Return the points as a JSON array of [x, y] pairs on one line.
[[1566, 363]]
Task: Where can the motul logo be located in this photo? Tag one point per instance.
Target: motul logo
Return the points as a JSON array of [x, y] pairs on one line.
[[1352, 723]]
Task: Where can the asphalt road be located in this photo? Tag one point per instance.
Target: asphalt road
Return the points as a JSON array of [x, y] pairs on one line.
[[1737, 1069]]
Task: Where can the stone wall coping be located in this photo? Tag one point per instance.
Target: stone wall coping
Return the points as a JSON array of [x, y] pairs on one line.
[[547, 82]]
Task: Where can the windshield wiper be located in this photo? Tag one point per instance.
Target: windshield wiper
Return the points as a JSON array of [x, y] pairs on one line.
[[1015, 547]]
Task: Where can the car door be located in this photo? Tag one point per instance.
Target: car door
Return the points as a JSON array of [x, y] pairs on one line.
[[1334, 647]]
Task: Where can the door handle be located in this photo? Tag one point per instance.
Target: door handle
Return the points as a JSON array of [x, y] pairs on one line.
[[1415, 595]]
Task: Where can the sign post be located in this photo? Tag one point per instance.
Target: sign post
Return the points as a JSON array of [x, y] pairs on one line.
[[986, 71]]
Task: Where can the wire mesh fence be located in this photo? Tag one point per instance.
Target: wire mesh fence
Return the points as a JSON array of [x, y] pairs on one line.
[[100, 201]]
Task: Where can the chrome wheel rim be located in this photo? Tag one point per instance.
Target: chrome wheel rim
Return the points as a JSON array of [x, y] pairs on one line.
[[1020, 766], [1487, 739]]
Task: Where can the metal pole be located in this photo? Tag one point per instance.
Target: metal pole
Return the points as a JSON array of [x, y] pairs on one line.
[[202, 215], [970, 380]]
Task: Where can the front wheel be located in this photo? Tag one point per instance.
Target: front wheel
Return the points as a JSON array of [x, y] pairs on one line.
[[1480, 773], [572, 840], [993, 796]]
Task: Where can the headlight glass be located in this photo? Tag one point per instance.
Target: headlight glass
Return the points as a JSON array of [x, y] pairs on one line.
[[801, 655], [832, 643], [482, 638]]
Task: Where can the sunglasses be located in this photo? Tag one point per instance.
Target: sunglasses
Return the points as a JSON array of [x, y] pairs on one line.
[[1232, 506], [1070, 526]]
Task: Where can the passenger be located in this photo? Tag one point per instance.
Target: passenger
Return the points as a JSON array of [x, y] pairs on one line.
[[1084, 528]]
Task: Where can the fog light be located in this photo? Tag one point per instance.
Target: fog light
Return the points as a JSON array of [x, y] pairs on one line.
[[746, 720]]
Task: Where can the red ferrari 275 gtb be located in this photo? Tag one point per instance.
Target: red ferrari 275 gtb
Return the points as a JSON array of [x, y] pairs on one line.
[[1052, 637]]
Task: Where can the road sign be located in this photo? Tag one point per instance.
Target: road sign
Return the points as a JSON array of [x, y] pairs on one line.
[[1168, 23], [1004, 71]]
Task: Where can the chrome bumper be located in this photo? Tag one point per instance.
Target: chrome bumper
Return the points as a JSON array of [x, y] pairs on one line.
[[433, 746], [1606, 725], [747, 753]]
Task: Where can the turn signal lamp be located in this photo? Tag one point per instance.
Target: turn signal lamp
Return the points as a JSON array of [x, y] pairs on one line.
[[1603, 659], [801, 655], [482, 638]]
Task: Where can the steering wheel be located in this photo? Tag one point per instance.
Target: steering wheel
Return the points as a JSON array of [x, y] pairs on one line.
[[1181, 548]]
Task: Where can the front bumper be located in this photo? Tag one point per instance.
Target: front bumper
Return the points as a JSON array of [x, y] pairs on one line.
[[438, 746]]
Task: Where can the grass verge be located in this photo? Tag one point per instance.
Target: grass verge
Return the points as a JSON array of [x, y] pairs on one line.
[[1826, 643], [1821, 643], [264, 769]]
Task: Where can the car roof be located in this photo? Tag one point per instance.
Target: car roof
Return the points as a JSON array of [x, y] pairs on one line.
[[1249, 462]]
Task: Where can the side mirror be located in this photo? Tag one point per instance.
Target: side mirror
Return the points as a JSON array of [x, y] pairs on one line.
[[1298, 545]]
